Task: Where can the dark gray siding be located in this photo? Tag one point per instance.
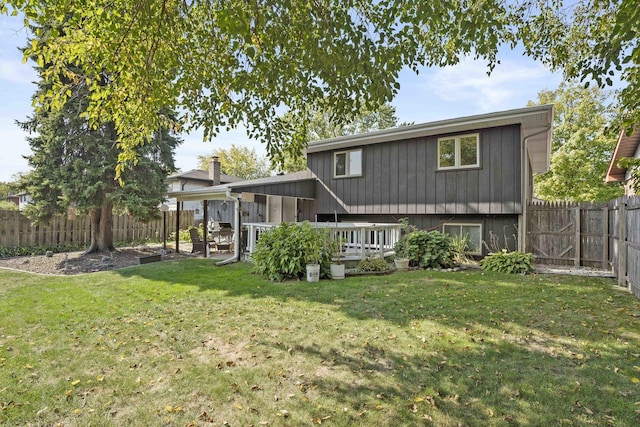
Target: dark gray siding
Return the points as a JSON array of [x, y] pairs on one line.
[[306, 210], [400, 178], [303, 189], [500, 228]]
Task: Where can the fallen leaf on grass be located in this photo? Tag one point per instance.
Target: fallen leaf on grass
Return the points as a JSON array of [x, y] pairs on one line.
[[284, 413]]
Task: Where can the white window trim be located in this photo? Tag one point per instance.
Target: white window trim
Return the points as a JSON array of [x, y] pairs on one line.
[[467, 224], [347, 165], [457, 156]]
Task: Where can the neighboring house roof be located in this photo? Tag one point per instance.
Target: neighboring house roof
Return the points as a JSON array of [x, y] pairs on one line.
[[627, 146], [536, 130], [201, 175]]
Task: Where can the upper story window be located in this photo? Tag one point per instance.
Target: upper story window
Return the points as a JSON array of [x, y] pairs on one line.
[[462, 151], [347, 163]]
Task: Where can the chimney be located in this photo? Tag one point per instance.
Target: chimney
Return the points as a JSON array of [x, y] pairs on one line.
[[214, 170]]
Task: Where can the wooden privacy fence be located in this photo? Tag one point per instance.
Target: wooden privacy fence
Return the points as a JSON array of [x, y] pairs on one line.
[[568, 234], [16, 230], [600, 235], [624, 241]]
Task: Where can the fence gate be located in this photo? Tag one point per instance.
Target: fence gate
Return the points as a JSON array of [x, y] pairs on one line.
[[568, 234]]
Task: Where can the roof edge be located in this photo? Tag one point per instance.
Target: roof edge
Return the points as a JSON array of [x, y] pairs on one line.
[[427, 129]]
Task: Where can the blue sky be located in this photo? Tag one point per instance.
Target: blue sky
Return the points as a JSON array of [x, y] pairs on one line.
[[434, 94]]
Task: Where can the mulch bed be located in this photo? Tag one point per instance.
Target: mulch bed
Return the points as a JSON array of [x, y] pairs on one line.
[[70, 263]]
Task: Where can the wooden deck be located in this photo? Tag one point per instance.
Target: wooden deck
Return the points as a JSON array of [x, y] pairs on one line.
[[357, 240]]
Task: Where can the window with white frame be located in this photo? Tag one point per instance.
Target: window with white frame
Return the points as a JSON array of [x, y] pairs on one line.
[[461, 151], [347, 163], [471, 232]]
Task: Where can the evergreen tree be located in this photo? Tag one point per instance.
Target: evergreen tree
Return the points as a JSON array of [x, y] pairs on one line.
[[74, 166]]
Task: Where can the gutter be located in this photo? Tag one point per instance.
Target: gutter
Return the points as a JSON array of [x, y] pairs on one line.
[[525, 183], [237, 235]]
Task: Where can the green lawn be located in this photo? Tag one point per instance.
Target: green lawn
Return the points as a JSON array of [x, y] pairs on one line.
[[186, 343]]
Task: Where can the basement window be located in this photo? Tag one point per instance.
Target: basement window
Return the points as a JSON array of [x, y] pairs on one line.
[[471, 232]]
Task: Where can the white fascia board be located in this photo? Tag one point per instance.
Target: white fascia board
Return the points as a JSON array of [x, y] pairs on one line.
[[208, 193], [462, 124]]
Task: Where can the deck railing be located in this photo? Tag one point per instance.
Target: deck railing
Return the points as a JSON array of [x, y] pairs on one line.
[[357, 240]]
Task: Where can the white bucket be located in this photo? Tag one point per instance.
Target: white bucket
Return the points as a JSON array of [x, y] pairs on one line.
[[313, 272]]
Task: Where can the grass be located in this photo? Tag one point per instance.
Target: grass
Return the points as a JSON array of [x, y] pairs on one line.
[[185, 343]]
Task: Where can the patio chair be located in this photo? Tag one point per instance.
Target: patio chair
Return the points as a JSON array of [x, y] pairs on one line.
[[222, 235], [196, 241]]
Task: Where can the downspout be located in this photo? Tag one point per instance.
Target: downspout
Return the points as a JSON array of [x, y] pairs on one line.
[[525, 166], [237, 235]]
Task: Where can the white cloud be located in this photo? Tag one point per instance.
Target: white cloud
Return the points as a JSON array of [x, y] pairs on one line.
[[511, 84]]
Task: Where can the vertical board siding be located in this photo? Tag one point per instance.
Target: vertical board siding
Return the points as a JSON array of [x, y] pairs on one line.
[[16, 230], [401, 177], [421, 192]]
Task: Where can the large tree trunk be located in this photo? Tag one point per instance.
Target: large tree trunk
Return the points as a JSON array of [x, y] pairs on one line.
[[101, 229]]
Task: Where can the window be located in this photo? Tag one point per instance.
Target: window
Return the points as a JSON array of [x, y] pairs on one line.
[[459, 151], [472, 232], [347, 163]]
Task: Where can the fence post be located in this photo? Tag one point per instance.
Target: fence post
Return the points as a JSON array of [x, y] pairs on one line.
[[605, 237], [578, 237], [622, 243]]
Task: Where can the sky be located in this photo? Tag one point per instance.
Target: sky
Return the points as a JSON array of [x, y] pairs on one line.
[[433, 94]]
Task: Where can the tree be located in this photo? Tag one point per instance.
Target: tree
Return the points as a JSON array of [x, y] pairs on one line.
[[74, 165], [323, 124], [242, 162], [231, 62], [8, 206], [581, 146], [6, 188]]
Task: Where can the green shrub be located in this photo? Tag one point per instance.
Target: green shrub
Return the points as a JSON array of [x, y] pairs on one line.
[[373, 264], [460, 245], [427, 249], [515, 262], [37, 250], [284, 251]]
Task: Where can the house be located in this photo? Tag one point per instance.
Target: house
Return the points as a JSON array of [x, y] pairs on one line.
[[470, 175], [194, 179], [20, 199], [627, 146], [13, 198]]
